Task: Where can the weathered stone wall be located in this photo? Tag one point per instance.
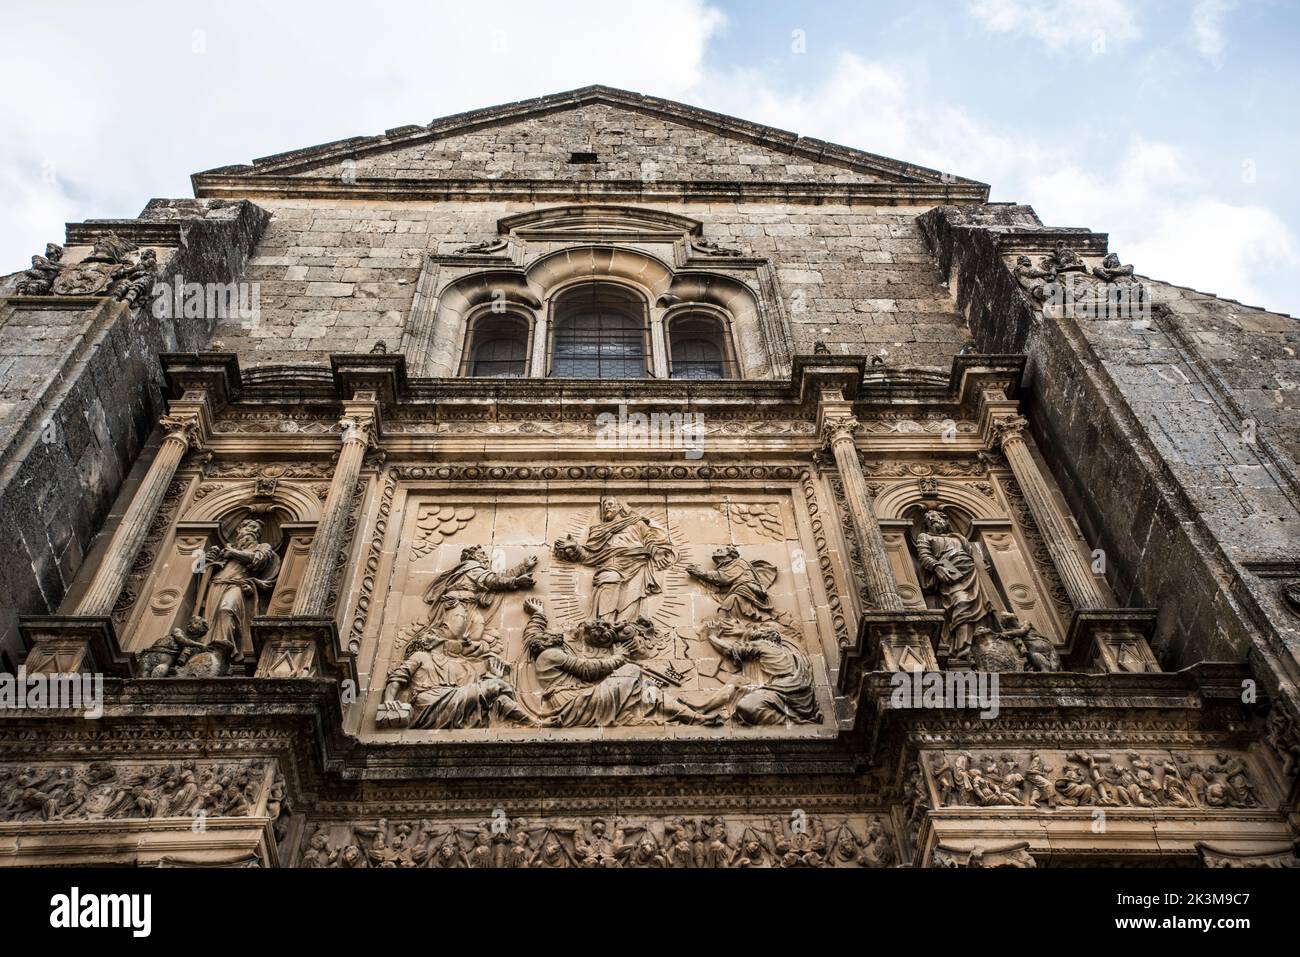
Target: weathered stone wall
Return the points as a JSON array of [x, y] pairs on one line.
[[338, 276], [627, 146], [80, 397], [1143, 430]]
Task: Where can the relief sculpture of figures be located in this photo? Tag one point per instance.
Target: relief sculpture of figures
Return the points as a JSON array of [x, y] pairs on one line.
[[752, 630], [589, 678], [463, 601], [627, 550], [452, 671], [244, 570], [950, 567]]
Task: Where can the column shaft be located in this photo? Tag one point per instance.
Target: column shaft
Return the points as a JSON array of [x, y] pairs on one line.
[[1058, 535], [881, 587], [107, 584], [313, 593]]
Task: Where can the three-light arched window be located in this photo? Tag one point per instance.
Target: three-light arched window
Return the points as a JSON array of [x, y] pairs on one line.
[[601, 330]]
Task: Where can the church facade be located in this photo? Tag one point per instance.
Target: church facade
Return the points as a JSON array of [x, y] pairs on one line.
[[597, 481]]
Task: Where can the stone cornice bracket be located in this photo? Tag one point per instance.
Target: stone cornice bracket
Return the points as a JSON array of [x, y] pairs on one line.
[[814, 375], [382, 375], [215, 373]]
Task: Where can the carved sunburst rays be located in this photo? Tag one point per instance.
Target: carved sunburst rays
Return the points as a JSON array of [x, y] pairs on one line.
[[436, 523], [572, 608]]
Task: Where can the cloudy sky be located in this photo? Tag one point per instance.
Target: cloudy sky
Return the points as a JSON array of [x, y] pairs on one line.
[[1172, 124]]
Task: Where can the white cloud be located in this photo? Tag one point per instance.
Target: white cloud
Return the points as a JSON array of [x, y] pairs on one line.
[[1080, 25], [1161, 214], [229, 81], [1207, 26]]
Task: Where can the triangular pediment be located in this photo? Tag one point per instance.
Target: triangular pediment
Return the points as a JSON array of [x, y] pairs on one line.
[[595, 135]]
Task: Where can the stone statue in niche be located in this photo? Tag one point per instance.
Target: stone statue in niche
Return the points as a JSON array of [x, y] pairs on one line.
[[950, 571], [464, 600], [1013, 646], [627, 551], [39, 280], [244, 570], [588, 678]]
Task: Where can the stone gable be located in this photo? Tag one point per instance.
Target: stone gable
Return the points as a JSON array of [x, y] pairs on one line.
[[627, 145]]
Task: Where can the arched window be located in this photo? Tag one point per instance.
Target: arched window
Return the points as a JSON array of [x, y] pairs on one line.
[[697, 349], [497, 348], [600, 333]]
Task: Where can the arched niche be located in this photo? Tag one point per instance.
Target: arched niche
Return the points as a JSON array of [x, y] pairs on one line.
[[1011, 579]]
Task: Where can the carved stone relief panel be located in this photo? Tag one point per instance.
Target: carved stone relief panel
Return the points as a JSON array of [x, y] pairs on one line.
[[707, 841], [106, 790], [564, 608], [1120, 778]]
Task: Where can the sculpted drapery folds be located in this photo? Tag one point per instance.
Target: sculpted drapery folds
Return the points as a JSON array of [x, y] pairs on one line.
[[452, 672], [463, 600], [596, 688], [752, 630], [950, 570], [627, 550], [244, 570]]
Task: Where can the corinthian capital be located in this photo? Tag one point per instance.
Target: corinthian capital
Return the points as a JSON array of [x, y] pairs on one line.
[[358, 428], [844, 426], [1012, 427], [183, 427]]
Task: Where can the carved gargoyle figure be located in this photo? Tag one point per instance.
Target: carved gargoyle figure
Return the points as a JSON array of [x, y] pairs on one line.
[[39, 280], [597, 688], [1111, 270]]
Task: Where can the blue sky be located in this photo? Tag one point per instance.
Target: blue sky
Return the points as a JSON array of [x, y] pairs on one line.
[[1175, 126]]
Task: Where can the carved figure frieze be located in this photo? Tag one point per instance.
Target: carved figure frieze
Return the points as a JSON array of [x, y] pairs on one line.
[[101, 790], [1061, 278], [1073, 779], [711, 842]]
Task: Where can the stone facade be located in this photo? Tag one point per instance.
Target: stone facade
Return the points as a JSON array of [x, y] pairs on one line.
[[908, 531]]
